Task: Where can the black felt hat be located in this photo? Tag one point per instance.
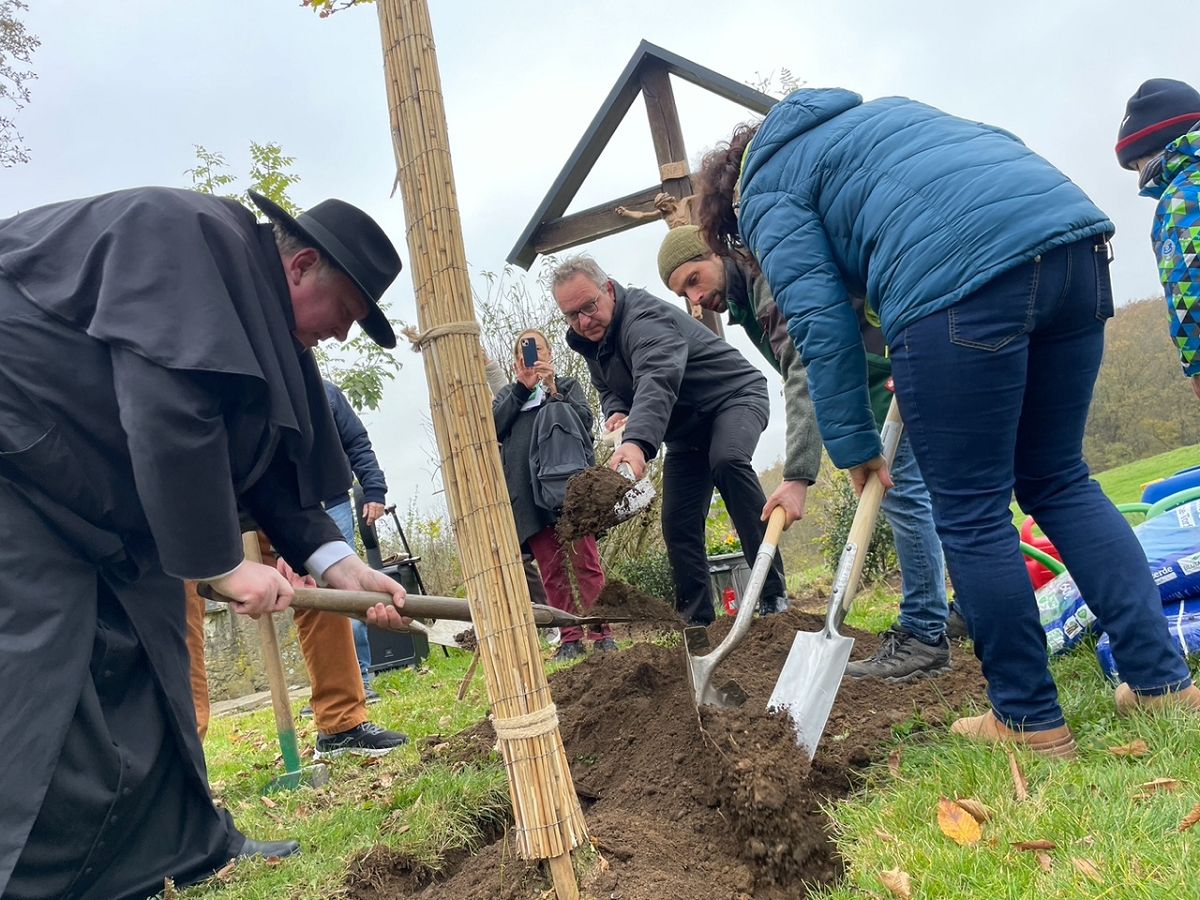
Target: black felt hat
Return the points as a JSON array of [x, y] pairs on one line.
[[356, 244], [1161, 110]]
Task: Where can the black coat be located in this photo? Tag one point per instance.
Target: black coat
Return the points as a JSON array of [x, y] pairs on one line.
[[664, 369], [357, 445], [514, 429], [149, 384]]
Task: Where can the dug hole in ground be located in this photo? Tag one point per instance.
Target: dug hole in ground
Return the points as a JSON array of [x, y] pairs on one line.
[[681, 806]]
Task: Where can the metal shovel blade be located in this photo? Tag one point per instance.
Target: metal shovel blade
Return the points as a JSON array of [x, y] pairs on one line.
[[809, 682]]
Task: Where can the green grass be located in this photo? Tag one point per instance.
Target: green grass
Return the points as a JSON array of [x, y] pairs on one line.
[[1087, 808], [417, 810], [1124, 483]]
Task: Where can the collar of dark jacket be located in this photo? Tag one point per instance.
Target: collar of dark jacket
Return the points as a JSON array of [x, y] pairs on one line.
[[737, 294], [596, 349]]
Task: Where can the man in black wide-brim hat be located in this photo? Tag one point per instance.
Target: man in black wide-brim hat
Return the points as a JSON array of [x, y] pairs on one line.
[[155, 376]]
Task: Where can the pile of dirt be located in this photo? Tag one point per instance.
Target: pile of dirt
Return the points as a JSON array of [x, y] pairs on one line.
[[467, 640], [626, 601], [679, 805], [589, 506]]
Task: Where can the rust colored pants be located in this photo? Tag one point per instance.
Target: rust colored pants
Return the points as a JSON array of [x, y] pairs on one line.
[[327, 644]]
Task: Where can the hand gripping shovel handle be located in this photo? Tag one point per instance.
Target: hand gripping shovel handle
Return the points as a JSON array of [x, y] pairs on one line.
[[854, 554]]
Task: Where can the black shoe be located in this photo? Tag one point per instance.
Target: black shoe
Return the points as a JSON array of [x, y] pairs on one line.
[[769, 606], [956, 625], [568, 650], [306, 711], [605, 645], [902, 657], [372, 697], [368, 739], [268, 849]]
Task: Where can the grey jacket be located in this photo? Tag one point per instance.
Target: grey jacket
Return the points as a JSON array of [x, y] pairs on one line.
[[514, 428], [666, 371]]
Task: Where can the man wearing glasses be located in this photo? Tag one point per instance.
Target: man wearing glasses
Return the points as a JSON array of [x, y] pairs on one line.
[[664, 377]]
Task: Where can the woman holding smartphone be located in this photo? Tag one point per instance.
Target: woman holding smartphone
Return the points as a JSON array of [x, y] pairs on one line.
[[515, 411]]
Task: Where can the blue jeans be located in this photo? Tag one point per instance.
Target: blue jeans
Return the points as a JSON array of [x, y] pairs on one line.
[[343, 517], [995, 392], [923, 608]]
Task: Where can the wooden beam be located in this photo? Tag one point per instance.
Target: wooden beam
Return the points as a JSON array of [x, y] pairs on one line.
[[665, 129], [592, 224]]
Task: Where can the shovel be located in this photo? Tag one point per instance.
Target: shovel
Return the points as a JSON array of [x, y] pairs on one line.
[[817, 662], [356, 603], [695, 639]]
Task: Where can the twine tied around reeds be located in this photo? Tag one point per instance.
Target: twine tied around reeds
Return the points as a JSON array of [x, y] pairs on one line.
[[540, 721], [420, 339]]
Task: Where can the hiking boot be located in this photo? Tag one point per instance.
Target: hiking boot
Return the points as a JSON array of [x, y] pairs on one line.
[[769, 606], [372, 697], [605, 645], [368, 739], [902, 657], [956, 625], [568, 650], [1128, 702], [1056, 743]]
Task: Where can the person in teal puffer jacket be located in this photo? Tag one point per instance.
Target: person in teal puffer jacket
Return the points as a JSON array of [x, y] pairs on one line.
[[988, 269], [1160, 138]]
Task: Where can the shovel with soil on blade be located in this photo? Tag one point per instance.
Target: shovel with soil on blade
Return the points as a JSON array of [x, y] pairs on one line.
[[816, 664], [701, 664]]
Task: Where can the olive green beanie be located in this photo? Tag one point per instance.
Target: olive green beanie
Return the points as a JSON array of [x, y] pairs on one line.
[[682, 244]]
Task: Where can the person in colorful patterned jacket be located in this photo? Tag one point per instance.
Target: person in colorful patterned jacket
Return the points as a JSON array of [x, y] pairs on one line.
[[1160, 138], [989, 270]]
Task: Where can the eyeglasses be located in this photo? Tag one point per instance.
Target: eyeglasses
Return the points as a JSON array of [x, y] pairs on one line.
[[588, 309]]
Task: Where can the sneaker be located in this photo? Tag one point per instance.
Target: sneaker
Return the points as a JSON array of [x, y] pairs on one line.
[[1127, 701], [956, 625], [372, 697], [769, 606], [368, 739], [605, 645], [1056, 743], [901, 657], [568, 650], [306, 711]]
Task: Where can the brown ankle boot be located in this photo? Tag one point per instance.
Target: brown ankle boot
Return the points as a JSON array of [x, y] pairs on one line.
[[1129, 702], [1056, 743]]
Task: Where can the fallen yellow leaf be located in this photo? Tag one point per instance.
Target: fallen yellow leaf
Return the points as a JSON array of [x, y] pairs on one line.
[[897, 882], [1164, 785], [957, 824], [1035, 845], [894, 763], [1134, 748], [1088, 868], [268, 802], [977, 810], [1191, 818], [1020, 785], [226, 871], [1043, 861]]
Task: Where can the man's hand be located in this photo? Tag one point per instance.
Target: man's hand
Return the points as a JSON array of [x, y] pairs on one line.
[[372, 512], [631, 454], [791, 495], [615, 421], [352, 574], [1196, 385], [296, 581], [860, 474], [255, 589]]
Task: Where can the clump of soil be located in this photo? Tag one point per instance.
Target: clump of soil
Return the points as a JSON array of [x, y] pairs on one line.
[[467, 639], [624, 600], [589, 505], [688, 806]]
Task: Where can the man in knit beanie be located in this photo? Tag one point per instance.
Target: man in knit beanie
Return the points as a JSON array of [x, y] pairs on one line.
[[916, 646], [1160, 138]]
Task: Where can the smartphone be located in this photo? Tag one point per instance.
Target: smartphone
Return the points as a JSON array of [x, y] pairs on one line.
[[529, 352]]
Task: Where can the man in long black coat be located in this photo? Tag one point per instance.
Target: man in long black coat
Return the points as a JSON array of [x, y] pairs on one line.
[[154, 376]]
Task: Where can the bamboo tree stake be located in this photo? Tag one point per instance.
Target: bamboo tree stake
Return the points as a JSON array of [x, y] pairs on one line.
[[549, 821]]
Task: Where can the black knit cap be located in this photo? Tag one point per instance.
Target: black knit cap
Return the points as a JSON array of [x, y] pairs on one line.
[[1161, 110]]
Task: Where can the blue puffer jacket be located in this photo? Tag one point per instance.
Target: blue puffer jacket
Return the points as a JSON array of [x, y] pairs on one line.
[[897, 201]]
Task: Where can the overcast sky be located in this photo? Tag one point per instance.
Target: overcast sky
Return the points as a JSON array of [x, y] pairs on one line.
[[126, 89]]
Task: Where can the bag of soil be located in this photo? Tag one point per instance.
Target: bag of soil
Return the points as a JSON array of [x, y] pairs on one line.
[[1183, 621]]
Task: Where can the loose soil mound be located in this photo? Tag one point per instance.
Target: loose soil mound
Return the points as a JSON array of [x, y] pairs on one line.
[[626, 601], [589, 504], [681, 807]]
